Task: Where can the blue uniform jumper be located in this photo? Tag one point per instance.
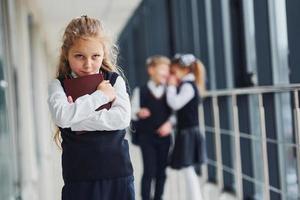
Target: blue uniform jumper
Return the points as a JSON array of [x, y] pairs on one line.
[[96, 164], [155, 149], [189, 148]]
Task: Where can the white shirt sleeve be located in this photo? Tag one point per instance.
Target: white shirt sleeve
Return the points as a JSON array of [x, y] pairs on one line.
[[173, 119], [178, 101], [135, 103], [64, 113], [116, 118]]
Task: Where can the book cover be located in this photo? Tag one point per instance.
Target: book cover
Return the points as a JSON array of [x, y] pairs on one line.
[[77, 87]]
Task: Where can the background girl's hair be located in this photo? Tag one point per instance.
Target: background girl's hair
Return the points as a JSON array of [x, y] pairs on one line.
[[57, 137], [196, 66], [85, 27], [200, 75]]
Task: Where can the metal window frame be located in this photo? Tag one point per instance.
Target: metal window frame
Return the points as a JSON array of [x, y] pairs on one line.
[[249, 34], [280, 73], [226, 25], [256, 114], [233, 113], [259, 92], [210, 41], [195, 23]]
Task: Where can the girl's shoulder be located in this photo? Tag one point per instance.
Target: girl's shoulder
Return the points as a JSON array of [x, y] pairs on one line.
[[54, 86], [119, 82], [111, 76], [54, 82], [187, 83]]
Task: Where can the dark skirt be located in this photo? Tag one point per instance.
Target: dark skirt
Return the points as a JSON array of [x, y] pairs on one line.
[[106, 189], [189, 148]]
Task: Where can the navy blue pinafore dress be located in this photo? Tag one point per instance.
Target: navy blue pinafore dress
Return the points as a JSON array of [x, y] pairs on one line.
[[189, 147], [96, 165]]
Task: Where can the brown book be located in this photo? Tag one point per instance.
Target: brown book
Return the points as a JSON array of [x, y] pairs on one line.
[[77, 87]]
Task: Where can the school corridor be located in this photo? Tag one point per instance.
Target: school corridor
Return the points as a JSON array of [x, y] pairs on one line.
[[250, 117]]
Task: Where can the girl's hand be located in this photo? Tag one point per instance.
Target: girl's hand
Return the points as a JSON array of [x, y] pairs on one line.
[[172, 80], [165, 129], [107, 89], [144, 113], [70, 99]]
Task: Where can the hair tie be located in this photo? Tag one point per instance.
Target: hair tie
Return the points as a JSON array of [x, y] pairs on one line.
[[177, 56], [187, 60]]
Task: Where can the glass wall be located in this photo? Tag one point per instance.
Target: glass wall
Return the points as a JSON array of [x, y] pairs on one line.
[[243, 44], [7, 173]]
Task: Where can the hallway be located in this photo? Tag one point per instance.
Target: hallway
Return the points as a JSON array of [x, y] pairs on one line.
[[250, 116]]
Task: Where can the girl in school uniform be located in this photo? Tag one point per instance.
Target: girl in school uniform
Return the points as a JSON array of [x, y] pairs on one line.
[[95, 164], [183, 95]]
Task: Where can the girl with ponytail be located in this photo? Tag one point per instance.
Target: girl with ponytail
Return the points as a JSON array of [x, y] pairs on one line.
[[184, 92]]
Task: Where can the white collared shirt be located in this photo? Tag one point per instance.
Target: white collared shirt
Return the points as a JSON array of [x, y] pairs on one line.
[[157, 91], [186, 93], [81, 114]]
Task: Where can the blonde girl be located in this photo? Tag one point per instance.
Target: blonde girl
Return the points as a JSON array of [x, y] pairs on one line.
[[96, 164]]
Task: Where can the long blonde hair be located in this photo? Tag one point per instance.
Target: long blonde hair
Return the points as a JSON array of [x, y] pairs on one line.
[[199, 72], [82, 28]]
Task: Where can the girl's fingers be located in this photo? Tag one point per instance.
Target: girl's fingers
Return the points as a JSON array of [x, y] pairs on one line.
[[105, 81], [70, 99]]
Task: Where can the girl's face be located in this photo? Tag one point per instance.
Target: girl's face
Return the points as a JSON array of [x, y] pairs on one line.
[[85, 56], [177, 71], [159, 73]]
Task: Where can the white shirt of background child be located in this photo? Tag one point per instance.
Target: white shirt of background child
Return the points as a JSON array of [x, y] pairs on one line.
[[178, 100]]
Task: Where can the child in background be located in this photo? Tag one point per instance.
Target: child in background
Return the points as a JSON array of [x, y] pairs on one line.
[[96, 164], [183, 95], [152, 126]]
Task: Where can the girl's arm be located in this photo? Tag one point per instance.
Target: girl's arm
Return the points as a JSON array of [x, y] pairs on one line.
[[64, 113], [173, 119], [178, 101], [116, 118], [135, 103]]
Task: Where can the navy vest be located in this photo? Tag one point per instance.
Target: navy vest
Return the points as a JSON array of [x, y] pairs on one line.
[[95, 155], [160, 111], [188, 116]]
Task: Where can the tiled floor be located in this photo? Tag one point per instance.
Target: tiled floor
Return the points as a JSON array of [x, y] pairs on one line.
[[174, 189]]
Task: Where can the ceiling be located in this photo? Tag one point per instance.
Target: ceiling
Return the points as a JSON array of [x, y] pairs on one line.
[[55, 15]]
